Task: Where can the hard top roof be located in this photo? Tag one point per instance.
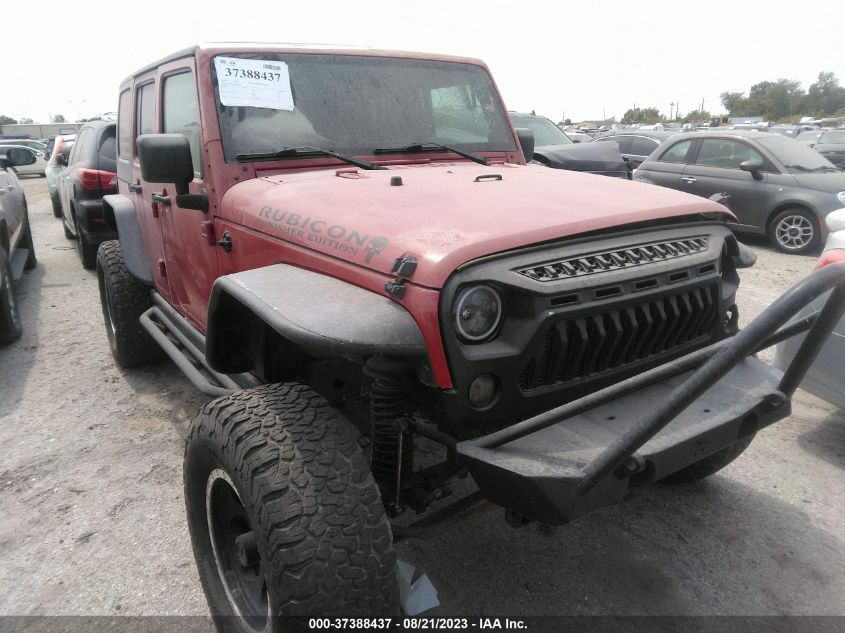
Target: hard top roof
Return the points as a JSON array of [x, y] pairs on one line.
[[215, 48]]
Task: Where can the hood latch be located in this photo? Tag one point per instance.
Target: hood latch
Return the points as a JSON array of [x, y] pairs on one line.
[[403, 267]]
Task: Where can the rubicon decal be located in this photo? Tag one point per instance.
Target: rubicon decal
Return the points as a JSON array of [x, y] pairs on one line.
[[324, 233]]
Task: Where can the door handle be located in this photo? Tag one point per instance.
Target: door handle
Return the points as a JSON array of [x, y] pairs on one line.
[[134, 188], [160, 199], [688, 178]]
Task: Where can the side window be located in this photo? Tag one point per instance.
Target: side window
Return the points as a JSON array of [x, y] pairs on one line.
[[677, 153], [641, 146], [725, 153], [624, 143], [78, 147], [124, 123], [145, 104], [180, 113]]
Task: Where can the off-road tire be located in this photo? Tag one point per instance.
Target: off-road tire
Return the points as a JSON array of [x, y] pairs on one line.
[[87, 251], [10, 318], [323, 537], [124, 299], [26, 241], [57, 206], [803, 219], [710, 465]]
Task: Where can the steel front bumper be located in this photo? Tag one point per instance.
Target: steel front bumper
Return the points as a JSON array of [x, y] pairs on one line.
[[591, 452]]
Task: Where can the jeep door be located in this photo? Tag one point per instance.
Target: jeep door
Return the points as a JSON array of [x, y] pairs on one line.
[[715, 169], [191, 261]]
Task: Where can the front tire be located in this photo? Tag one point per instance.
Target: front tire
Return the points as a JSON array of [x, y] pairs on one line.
[[795, 231], [284, 515], [124, 299], [710, 465], [10, 318]]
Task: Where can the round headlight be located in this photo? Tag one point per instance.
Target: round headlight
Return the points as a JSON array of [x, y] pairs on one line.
[[478, 311]]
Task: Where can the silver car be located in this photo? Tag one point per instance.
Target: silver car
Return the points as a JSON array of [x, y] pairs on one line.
[[36, 168], [826, 378]]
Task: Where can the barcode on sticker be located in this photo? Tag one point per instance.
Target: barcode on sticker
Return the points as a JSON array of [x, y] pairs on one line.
[[272, 66]]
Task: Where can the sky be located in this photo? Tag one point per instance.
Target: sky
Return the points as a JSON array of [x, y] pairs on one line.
[[578, 60]]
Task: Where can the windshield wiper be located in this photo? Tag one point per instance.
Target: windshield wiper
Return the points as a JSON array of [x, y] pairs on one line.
[[305, 150], [416, 148]]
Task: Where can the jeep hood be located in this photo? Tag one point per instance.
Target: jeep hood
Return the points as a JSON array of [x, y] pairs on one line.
[[444, 215], [592, 157]]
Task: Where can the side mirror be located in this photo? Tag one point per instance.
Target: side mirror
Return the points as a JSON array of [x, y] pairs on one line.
[[17, 157], [526, 142], [754, 167], [836, 220], [61, 160], [166, 158], [575, 140]]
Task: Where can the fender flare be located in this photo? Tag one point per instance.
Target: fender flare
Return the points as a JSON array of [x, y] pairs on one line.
[[120, 215], [322, 315]]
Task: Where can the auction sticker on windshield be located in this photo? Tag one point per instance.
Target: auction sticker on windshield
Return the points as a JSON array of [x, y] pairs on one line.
[[258, 83]]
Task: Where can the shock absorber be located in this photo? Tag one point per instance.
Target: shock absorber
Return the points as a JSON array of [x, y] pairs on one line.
[[392, 458]]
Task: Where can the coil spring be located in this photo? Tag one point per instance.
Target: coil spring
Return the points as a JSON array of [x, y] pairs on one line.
[[392, 441]]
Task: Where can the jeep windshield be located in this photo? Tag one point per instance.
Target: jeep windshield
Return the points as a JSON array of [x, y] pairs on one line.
[[354, 104]]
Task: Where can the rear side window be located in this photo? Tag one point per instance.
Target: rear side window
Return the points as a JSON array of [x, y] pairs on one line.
[[77, 152], [107, 152], [641, 146], [725, 153], [677, 153], [146, 109], [124, 123], [180, 113]]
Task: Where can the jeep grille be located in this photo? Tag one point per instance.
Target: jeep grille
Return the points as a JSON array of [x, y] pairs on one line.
[[580, 347], [615, 260]]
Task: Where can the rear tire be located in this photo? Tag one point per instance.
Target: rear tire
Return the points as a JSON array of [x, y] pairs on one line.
[[276, 467], [795, 231], [10, 317], [710, 465], [124, 299], [87, 251], [57, 206], [26, 241]]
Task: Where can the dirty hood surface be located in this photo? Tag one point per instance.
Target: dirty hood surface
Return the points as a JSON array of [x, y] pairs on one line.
[[440, 214]]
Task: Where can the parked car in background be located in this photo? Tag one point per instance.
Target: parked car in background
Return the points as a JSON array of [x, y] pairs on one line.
[[16, 251], [809, 138], [34, 168], [776, 186], [826, 377], [579, 137], [38, 146], [831, 145], [636, 146], [90, 174], [58, 160], [555, 149]]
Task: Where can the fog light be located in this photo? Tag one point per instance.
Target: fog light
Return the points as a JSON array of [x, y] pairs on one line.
[[482, 391]]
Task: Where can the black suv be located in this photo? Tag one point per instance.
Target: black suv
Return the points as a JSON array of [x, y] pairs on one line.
[[91, 173]]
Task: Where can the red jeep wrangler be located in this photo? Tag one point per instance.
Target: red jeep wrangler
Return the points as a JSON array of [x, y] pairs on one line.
[[347, 250]]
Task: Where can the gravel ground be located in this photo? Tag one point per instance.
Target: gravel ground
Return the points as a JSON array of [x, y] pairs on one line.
[[92, 517]]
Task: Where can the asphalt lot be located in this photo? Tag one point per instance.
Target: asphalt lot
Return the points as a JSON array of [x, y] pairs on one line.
[[92, 517]]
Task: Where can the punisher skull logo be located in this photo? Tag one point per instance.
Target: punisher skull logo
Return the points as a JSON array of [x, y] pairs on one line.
[[374, 247]]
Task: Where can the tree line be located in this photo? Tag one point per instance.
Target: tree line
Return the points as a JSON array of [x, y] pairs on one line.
[[782, 101]]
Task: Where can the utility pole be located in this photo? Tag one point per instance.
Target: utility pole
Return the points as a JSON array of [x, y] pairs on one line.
[[671, 106]]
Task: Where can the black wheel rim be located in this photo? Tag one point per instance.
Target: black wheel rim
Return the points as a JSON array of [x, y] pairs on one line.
[[235, 552], [794, 232]]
